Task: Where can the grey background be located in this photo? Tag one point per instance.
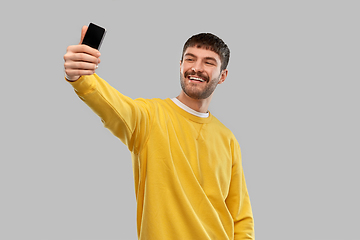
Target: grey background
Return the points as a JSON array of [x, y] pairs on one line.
[[291, 98]]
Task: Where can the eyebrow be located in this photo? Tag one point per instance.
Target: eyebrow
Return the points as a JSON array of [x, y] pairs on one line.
[[207, 58], [189, 54]]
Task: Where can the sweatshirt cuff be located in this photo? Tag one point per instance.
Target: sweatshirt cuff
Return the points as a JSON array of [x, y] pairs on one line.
[[85, 84]]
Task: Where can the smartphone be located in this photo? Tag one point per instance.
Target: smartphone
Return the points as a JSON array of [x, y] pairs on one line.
[[94, 36]]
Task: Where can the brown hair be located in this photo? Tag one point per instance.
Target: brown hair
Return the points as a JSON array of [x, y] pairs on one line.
[[211, 42]]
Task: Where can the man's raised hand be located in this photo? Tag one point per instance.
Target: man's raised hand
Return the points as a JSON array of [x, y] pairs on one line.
[[80, 59]]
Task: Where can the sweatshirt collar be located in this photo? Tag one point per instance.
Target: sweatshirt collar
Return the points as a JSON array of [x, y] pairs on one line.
[[187, 114], [190, 110]]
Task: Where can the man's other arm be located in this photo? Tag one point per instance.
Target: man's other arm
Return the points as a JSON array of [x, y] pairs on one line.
[[238, 200]]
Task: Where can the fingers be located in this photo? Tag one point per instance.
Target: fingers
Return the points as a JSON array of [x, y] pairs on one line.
[[81, 57], [84, 49], [83, 31], [80, 60], [73, 65]]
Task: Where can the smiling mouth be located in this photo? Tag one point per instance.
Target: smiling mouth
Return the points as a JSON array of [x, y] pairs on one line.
[[192, 78]]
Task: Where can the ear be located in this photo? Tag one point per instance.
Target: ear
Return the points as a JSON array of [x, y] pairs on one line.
[[180, 65], [223, 76]]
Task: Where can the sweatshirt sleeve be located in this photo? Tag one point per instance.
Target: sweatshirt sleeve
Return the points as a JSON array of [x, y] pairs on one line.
[[126, 118], [238, 200]]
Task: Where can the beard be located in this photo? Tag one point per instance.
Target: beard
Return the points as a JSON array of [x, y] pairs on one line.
[[197, 91]]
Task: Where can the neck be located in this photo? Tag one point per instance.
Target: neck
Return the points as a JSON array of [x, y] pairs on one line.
[[199, 105]]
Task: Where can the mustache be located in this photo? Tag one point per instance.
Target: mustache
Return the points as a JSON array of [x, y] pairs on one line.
[[197, 74]]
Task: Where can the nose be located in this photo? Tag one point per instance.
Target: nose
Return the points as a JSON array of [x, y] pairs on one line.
[[197, 67]]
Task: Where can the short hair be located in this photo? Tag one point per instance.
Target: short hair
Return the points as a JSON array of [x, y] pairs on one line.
[[211, 42]]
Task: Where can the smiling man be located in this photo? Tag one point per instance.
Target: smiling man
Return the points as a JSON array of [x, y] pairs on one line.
[[189, 180]]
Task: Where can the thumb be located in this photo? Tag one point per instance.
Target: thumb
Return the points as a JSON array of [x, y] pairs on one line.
[[83, 31]]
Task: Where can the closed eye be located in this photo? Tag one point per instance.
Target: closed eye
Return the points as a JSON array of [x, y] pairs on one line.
[[210, 61]]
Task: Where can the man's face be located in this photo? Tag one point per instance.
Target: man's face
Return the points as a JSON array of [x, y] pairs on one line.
[[200, 72]]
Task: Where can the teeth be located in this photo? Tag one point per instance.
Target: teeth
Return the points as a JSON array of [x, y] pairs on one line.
[[195, 78]]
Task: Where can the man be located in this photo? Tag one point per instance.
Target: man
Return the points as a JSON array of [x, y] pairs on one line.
[[189, 180]]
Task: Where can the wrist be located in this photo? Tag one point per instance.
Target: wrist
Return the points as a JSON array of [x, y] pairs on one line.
[[71, 79]]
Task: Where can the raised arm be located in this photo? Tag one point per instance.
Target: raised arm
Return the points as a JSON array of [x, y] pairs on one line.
[[126, 118]]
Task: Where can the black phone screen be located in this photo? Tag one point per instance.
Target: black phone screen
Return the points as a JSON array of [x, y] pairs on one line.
[[94, 36]]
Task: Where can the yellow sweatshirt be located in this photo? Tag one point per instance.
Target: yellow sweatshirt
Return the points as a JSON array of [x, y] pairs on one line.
[[189, 180]]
